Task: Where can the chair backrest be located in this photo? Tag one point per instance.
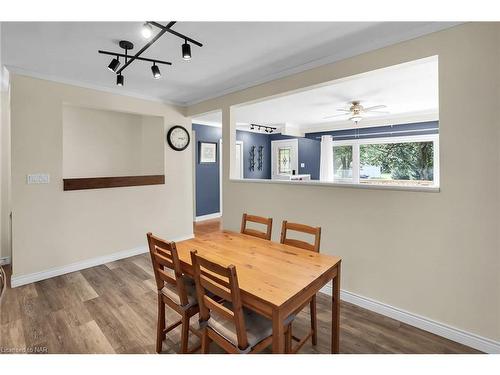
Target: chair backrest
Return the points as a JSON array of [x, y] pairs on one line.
[[315, 231], [166, 266], [267, 221], [221, 282]]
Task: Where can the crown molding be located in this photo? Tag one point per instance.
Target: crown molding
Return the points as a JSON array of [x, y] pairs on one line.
[[358, 49], [117, 91], [207, 123]]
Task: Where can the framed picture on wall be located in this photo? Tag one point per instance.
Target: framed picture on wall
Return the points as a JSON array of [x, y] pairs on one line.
[[207, 152]]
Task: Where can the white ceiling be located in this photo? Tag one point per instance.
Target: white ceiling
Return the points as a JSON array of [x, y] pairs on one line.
[[410, 92], [235, 54]]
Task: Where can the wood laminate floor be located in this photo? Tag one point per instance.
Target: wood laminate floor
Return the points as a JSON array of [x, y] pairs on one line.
[[112, 309]]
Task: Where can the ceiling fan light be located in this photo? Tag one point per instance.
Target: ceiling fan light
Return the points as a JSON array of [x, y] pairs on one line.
[[356, 119], [114, 64], [147, 30], [186, 51]]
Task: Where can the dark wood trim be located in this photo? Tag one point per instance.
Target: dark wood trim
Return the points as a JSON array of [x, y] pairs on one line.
[[111, 182]]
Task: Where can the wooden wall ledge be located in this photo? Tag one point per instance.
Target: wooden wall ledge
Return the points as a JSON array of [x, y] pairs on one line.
[[111, 182]]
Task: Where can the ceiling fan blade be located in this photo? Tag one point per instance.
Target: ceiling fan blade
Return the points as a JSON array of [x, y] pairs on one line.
[[341, 114], [343, 110], [375, 107], [381, 112]]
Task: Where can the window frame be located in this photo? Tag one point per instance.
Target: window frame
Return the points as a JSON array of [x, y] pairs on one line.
[[355, 161], [356, 143]]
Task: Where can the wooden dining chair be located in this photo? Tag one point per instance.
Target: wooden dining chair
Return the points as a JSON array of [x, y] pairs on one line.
[[267, 221], [174, 289], [316, 232], [224, 320], [3, 282]]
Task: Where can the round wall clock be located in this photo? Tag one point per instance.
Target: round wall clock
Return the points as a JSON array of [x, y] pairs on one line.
[[178, 138]]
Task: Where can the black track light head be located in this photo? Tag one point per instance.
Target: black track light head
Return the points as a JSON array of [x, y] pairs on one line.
[[114, 64], [186, 51], [156, 71], [120, 80]]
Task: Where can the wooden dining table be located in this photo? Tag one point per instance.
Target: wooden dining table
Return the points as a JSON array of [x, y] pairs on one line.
[[275, 279]]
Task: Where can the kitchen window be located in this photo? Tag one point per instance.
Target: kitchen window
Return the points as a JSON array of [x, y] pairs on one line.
[[411, 161]]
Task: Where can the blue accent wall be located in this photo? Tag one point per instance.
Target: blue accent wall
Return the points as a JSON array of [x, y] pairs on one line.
[[207, 175], [250, 139], [310, 155]]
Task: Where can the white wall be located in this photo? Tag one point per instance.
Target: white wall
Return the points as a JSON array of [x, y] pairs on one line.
[[54, 228], [102, 143], [5, 243], [5, 251], [2, 256], [432, 254]]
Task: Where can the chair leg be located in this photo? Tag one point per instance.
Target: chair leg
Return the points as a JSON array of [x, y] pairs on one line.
[[288, 339], [185, 334], [160, 327], [205, 342], [314, 321]]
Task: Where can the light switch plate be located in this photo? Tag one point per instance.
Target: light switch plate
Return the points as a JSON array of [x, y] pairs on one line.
[[302, 165], [38, 178]]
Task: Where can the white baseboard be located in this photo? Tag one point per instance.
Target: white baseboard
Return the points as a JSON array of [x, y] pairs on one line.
[[4, 261], [57, 271], [466, 338], [207, 217]]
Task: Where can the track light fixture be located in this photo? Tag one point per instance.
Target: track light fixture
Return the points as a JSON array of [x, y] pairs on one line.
[[114, 64], [156, 71], [267, 129], [186, 51], [120, 80], [147, 32]]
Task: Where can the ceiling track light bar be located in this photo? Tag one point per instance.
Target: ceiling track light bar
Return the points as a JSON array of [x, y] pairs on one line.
[[114, 65], [146, 46], [267, 129], [137, 58], [173, 32]]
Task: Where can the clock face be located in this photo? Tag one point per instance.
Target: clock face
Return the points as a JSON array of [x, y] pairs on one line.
[[178, 138]]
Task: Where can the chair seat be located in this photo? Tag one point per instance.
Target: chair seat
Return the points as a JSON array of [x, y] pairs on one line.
[[258, 327], [171, 292]]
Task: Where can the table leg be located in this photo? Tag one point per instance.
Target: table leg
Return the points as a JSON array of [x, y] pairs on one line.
[[278, 333], [336, 311]]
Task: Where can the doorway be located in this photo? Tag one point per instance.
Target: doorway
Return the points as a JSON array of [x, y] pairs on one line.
[[284, 159], [239, 171]]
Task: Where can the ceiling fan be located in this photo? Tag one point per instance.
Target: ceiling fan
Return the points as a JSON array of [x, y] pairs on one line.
[[356, 111]]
